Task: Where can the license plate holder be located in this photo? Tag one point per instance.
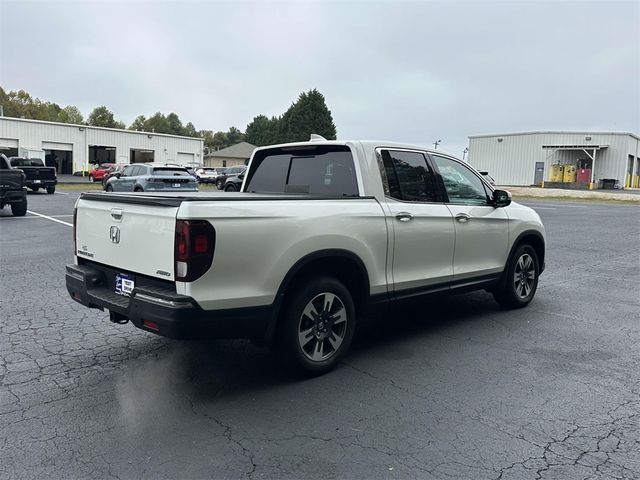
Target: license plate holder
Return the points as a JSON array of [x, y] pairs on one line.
[[125, 284], [176, 185], [36, 181]]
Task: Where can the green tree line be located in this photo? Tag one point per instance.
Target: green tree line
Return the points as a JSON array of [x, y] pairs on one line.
[[309, 114]]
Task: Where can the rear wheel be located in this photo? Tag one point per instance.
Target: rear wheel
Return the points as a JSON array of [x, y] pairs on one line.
[[317, 327], [109, 188], [138, 189], [91, 179], [51, 190], [219, 184], [19, 209], [521, 282], [230, 188]]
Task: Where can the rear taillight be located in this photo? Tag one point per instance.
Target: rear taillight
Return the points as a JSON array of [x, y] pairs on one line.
[[75, 223], [194, 246]]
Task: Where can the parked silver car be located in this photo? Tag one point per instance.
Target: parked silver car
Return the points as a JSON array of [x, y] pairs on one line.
[[152, 177]]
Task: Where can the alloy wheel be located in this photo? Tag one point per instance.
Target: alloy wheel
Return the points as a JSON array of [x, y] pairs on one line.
[[322, 327], [524, 275]]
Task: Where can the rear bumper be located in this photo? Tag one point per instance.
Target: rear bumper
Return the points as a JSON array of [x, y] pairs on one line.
[[163, 312], [12, 196], [41, 183]]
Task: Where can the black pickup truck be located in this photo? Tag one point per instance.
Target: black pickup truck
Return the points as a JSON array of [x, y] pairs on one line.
[[38, 176], [12, 189]]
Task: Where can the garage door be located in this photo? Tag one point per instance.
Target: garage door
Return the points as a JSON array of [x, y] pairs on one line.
[[185, 158], [65, 147], [8, 143]]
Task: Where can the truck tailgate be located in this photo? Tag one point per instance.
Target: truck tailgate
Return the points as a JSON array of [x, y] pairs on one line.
[[134, 237]]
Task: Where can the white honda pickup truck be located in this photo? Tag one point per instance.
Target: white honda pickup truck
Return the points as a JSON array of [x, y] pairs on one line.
[[321, 232]]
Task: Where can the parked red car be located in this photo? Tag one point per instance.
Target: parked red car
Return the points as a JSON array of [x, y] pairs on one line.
[[114, 170], [101, 170]]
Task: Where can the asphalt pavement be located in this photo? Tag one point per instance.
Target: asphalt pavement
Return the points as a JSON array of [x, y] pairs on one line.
[[455, 388]]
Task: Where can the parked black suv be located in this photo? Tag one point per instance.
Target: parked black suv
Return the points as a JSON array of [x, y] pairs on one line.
[[12, 189], [37, 175], [234, 183]]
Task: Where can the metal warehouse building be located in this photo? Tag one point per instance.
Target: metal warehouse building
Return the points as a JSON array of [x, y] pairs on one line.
[[570, 159], [72, 148]]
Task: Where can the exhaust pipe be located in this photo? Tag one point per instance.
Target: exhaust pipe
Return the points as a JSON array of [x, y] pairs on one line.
[[116, 317]]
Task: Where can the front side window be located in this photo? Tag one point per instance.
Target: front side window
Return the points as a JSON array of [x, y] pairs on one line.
[[316, 170], [127, 172], [462, 185], [409, 177]]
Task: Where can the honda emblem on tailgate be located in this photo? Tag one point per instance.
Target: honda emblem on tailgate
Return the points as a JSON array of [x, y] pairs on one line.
[[114, 234]]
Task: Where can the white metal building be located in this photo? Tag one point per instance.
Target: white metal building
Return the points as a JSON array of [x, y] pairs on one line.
[[72, 148], [528, 158]]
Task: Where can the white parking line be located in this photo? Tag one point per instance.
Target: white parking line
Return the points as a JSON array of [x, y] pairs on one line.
[[50, 218]]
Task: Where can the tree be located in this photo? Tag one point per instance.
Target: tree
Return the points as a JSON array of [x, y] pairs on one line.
[[190, 130], [101, 117], [70, 114], [175, 125], [309, 115], [157, 123], [138, 123], [261, 131], [234, 136]]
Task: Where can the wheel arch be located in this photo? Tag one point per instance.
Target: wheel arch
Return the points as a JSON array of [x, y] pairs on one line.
[[536, 240], [343, 265]]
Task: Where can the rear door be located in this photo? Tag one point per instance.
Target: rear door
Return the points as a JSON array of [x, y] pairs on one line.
[[132, 237], [423, 231], [482, 231]]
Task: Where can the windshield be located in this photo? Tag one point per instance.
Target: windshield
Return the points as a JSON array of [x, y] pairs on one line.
[[176, 172], [27, 162]]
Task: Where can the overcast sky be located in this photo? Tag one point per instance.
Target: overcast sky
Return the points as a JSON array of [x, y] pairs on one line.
[[405, 71]]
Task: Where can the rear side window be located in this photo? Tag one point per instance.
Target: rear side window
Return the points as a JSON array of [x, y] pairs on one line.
[[175, 172], [409, 177], [316, 170]]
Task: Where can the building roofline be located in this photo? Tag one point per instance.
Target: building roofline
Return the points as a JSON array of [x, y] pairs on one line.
[[554, 132], [77, 125]]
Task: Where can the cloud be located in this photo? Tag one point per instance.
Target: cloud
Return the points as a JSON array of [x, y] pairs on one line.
[[407, 71]]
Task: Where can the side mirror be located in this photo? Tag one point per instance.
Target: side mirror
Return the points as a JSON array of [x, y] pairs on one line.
[[241, 176], [501, 198]]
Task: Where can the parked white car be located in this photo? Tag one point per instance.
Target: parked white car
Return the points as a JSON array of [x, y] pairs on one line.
[[208, 174], [322, 232]]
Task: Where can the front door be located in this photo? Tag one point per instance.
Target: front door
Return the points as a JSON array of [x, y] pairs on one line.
[[482, 231], [420, 224], [539, 175]]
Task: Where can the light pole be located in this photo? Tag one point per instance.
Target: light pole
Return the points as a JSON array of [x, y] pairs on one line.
[[436, 143], [464, 152]]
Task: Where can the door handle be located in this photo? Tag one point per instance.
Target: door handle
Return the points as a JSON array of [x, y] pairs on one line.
[[404, 216], [463, 217]]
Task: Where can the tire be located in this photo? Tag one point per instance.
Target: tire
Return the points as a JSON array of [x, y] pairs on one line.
[[519, 286], [230, 188], [310, 344], [109, 188], [91, 179], [219, 184], [19, 209], [138, 189], [51, 190]]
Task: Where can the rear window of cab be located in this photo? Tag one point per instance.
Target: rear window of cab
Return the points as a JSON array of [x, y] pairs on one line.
[[308, 169]]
